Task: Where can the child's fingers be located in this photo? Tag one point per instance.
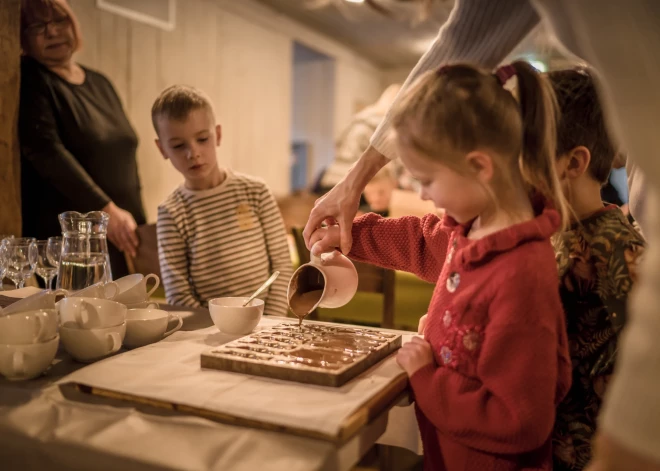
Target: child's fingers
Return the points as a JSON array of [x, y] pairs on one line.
[[325, 240], [346, 235]]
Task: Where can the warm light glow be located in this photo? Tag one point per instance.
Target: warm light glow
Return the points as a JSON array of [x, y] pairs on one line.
[[355, 1], [538, 65]]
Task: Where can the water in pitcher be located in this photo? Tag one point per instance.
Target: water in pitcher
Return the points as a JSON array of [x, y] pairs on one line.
[[78, 271], [84, 258]]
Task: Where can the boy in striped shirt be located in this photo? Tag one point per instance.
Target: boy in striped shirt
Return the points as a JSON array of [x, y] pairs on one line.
[[220, 233]]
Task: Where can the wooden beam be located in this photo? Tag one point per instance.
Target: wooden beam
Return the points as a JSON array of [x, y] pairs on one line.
[[10, 171]]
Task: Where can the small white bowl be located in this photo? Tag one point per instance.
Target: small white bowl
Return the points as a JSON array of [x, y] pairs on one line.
[[231, 317], [19, 362], [88, 345]]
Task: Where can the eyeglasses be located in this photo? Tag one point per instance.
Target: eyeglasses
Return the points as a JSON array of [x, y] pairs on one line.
[[37, 29]]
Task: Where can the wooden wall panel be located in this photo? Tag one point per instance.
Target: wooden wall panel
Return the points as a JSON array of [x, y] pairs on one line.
[[10, 192]]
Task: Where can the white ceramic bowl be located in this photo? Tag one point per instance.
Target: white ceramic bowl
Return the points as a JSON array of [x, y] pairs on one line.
[[29, 327], [145, 326], [91, 313], [87, 345], [99, 290], [133, 288], [18, 362], [231, 317]]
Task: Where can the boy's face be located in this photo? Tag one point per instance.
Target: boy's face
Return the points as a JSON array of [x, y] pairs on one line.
[[378, 194], [190, 144]]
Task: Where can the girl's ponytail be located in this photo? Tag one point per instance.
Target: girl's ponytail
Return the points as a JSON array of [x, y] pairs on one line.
[[539, 118]]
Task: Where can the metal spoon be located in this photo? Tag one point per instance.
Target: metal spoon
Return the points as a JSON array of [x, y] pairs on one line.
[[268, 282]]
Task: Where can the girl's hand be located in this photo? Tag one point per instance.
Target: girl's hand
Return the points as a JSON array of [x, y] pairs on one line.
[[422, 324], [414, 355], [325, 239]]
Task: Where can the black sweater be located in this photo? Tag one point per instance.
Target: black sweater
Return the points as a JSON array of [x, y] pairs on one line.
[[77, 149]]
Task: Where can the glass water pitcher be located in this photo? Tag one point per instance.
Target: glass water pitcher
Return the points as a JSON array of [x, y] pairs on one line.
[[85, 259]]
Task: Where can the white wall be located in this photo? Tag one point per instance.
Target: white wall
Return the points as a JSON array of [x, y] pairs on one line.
[[397, 75], [356, 88], [313, 109], [240, 53]]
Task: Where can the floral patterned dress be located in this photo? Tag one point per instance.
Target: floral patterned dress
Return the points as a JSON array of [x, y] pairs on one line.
[[597, 260]]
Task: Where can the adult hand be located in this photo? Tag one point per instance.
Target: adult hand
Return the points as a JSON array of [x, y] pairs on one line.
[[414, 355], [340, 205], [121, 229], [610, 456]]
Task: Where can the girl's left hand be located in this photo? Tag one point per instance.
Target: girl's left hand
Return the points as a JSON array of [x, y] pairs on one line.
[[414, 355]]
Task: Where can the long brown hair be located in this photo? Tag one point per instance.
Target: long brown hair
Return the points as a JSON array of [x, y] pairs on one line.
[[461, 108], [33, 11]]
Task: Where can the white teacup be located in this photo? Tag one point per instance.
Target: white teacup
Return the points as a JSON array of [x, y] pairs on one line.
[[231, 317], [145, 326], [143, 305], [99, 290], [133, 288], [91, 313], [42, 300], [28, 327], [28, 361], [87, 345]]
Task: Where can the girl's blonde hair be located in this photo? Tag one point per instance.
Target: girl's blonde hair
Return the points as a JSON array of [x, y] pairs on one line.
[[458, 109]]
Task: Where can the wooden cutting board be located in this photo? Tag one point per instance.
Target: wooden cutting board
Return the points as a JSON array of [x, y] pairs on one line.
[[314, 353]]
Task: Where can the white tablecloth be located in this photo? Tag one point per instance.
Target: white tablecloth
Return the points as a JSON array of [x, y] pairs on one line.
[[170, 371], [42, 429]]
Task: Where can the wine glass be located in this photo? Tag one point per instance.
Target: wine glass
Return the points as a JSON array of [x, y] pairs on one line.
[[45, 269], [3, 259], [54, 251], [22, 254]]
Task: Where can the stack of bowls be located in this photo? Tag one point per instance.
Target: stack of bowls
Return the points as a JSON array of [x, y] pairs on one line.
[[91, 328], [28, 343], [133, 291]]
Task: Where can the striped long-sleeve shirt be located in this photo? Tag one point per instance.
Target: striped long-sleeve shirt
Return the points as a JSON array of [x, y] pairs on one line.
[[225, 241]]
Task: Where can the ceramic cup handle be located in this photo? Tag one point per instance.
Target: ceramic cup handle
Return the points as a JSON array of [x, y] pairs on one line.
[[115, 290], [175, 328], [86, 314], [114, 342], [156, 283], [18, 364], [39, 330]]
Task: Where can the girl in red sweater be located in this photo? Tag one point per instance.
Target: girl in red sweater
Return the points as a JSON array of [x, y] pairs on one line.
[[493, 362]]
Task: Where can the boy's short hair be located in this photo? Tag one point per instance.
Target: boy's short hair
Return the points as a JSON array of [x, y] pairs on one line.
[[581, 121], [176, 103], [384, 174]]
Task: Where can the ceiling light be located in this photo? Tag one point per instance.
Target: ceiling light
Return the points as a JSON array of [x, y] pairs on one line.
[[355, 1]]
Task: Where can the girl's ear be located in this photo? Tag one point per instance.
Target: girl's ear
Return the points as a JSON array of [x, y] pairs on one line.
[[481, 166]]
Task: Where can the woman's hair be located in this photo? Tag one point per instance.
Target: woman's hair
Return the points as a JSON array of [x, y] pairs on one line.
[[35, 11], [460, 108]]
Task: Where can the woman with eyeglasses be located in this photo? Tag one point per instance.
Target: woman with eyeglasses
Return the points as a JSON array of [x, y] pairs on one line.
[[78, 149]]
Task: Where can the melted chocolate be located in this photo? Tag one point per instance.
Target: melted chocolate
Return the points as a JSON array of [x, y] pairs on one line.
[[303, 303], [317, 346]]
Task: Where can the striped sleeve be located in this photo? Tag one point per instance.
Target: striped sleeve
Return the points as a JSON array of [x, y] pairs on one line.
[[483, 32], [278, 253], [173, 258]]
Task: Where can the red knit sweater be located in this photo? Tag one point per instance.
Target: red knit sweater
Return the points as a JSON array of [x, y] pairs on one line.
[[497, 330]]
